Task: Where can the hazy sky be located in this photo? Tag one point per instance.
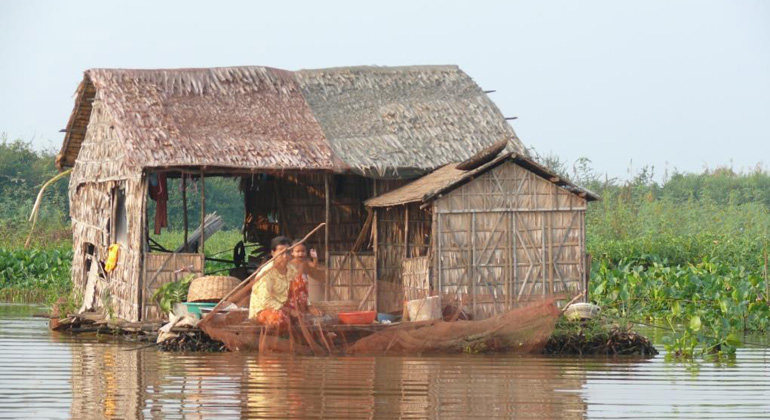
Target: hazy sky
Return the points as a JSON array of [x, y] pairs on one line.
[[674, 84]]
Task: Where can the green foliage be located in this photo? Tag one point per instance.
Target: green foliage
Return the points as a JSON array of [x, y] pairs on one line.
[[23, 171], [173, 292], [689, 254], [34, 275]]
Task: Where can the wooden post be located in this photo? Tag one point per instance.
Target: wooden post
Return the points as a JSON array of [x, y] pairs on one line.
[[145, 244], [549, 218], [375, 247], [376, 256], [406, 231], [327, 217], [184, 209], [471, 265], [543, 250], [437, 230], [203, 216]]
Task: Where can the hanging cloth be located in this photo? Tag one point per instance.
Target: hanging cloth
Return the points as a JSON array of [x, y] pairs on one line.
[[159, 193]]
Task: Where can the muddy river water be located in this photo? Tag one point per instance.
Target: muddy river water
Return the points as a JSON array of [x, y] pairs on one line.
[[47, 375]]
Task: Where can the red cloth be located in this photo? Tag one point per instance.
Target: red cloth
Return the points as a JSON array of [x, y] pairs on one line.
[[297, 300], [159, 193]]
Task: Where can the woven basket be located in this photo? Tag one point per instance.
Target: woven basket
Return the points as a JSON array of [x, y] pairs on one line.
[[333, 307], [211, 288]]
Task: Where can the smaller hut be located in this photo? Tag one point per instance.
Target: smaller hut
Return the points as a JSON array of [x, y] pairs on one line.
[[488, 234]]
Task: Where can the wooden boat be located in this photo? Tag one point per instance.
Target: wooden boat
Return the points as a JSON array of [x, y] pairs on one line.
[[522, 330]]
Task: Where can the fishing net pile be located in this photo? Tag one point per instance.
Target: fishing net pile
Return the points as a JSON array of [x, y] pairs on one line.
[[522, 330]]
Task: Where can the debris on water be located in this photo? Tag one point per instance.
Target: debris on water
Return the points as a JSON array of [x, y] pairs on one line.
[[594, 337], [192, 341]]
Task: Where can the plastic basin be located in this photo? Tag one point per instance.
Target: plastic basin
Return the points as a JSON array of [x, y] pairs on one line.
[[358, 317]]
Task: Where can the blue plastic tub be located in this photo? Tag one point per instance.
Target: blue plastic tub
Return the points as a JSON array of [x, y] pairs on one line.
[[386, 317]]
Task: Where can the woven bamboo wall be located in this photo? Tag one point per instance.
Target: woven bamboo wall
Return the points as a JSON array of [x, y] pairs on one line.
[[294, 204], [98, 172], [506, 237], [160, 269], [416, 276], [393, 245], [351, 276]]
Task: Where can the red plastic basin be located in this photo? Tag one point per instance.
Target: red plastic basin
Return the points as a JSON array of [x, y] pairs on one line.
[[358, 317]]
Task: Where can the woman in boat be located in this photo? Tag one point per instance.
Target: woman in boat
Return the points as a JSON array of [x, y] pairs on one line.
[[314, 276], [281, 292]]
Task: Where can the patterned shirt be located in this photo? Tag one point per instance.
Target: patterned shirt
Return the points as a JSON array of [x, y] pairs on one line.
[[271, 291]]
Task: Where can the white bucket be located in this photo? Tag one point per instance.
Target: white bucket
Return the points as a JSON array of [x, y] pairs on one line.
[[424, 309]]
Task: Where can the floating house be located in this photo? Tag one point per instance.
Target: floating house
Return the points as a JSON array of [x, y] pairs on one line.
[[313, 146]]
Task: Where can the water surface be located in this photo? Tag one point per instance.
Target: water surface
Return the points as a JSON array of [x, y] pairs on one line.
[[51, 375]]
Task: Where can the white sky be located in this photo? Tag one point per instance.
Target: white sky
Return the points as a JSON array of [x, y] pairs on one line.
[[674, 84]]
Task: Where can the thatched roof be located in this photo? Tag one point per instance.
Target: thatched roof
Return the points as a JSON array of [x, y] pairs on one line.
[[399, 121], [449, 177], [421, 117], [240, 117]]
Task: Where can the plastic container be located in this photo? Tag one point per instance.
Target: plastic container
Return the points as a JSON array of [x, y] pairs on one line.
[[424, 309], [358, 317], [195, 307], [386, 317]]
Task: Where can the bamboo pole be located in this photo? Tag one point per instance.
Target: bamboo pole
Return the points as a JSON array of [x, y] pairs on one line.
[[253, 278], [767, 285], [184, 209], [327, 217], [203, 217], [406, 231], [38, 200]]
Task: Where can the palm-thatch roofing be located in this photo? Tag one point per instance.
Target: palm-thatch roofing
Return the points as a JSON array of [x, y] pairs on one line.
[[383, 118], [449, 177], [382, 121]]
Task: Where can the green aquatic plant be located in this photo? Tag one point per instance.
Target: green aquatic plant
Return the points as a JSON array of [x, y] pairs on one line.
[[34, 275], [173, 292], [707, 306]]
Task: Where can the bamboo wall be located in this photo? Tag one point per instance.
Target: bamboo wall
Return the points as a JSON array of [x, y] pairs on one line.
[[506, 237], [99, 170], [396, 242], [294, 204], [163, 268], [351, 277]]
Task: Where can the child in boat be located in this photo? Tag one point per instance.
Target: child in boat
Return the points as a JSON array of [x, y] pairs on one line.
[[281, 292], [315, 276]]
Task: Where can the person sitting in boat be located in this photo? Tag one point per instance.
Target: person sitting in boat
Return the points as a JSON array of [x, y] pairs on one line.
[[280, 293], [314, 276]]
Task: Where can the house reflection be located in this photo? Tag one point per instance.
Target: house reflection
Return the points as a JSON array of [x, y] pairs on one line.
[[111, 381]]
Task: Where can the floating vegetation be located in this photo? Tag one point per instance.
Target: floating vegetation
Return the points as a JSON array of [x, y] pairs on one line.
[[597, 337], [192, 341]]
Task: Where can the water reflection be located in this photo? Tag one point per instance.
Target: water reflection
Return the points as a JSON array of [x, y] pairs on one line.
[[57, 376]]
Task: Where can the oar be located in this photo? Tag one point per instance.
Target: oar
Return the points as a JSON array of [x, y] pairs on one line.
[[253, 277]]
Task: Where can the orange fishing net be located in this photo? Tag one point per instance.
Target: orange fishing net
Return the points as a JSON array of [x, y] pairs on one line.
[[522, 330]]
